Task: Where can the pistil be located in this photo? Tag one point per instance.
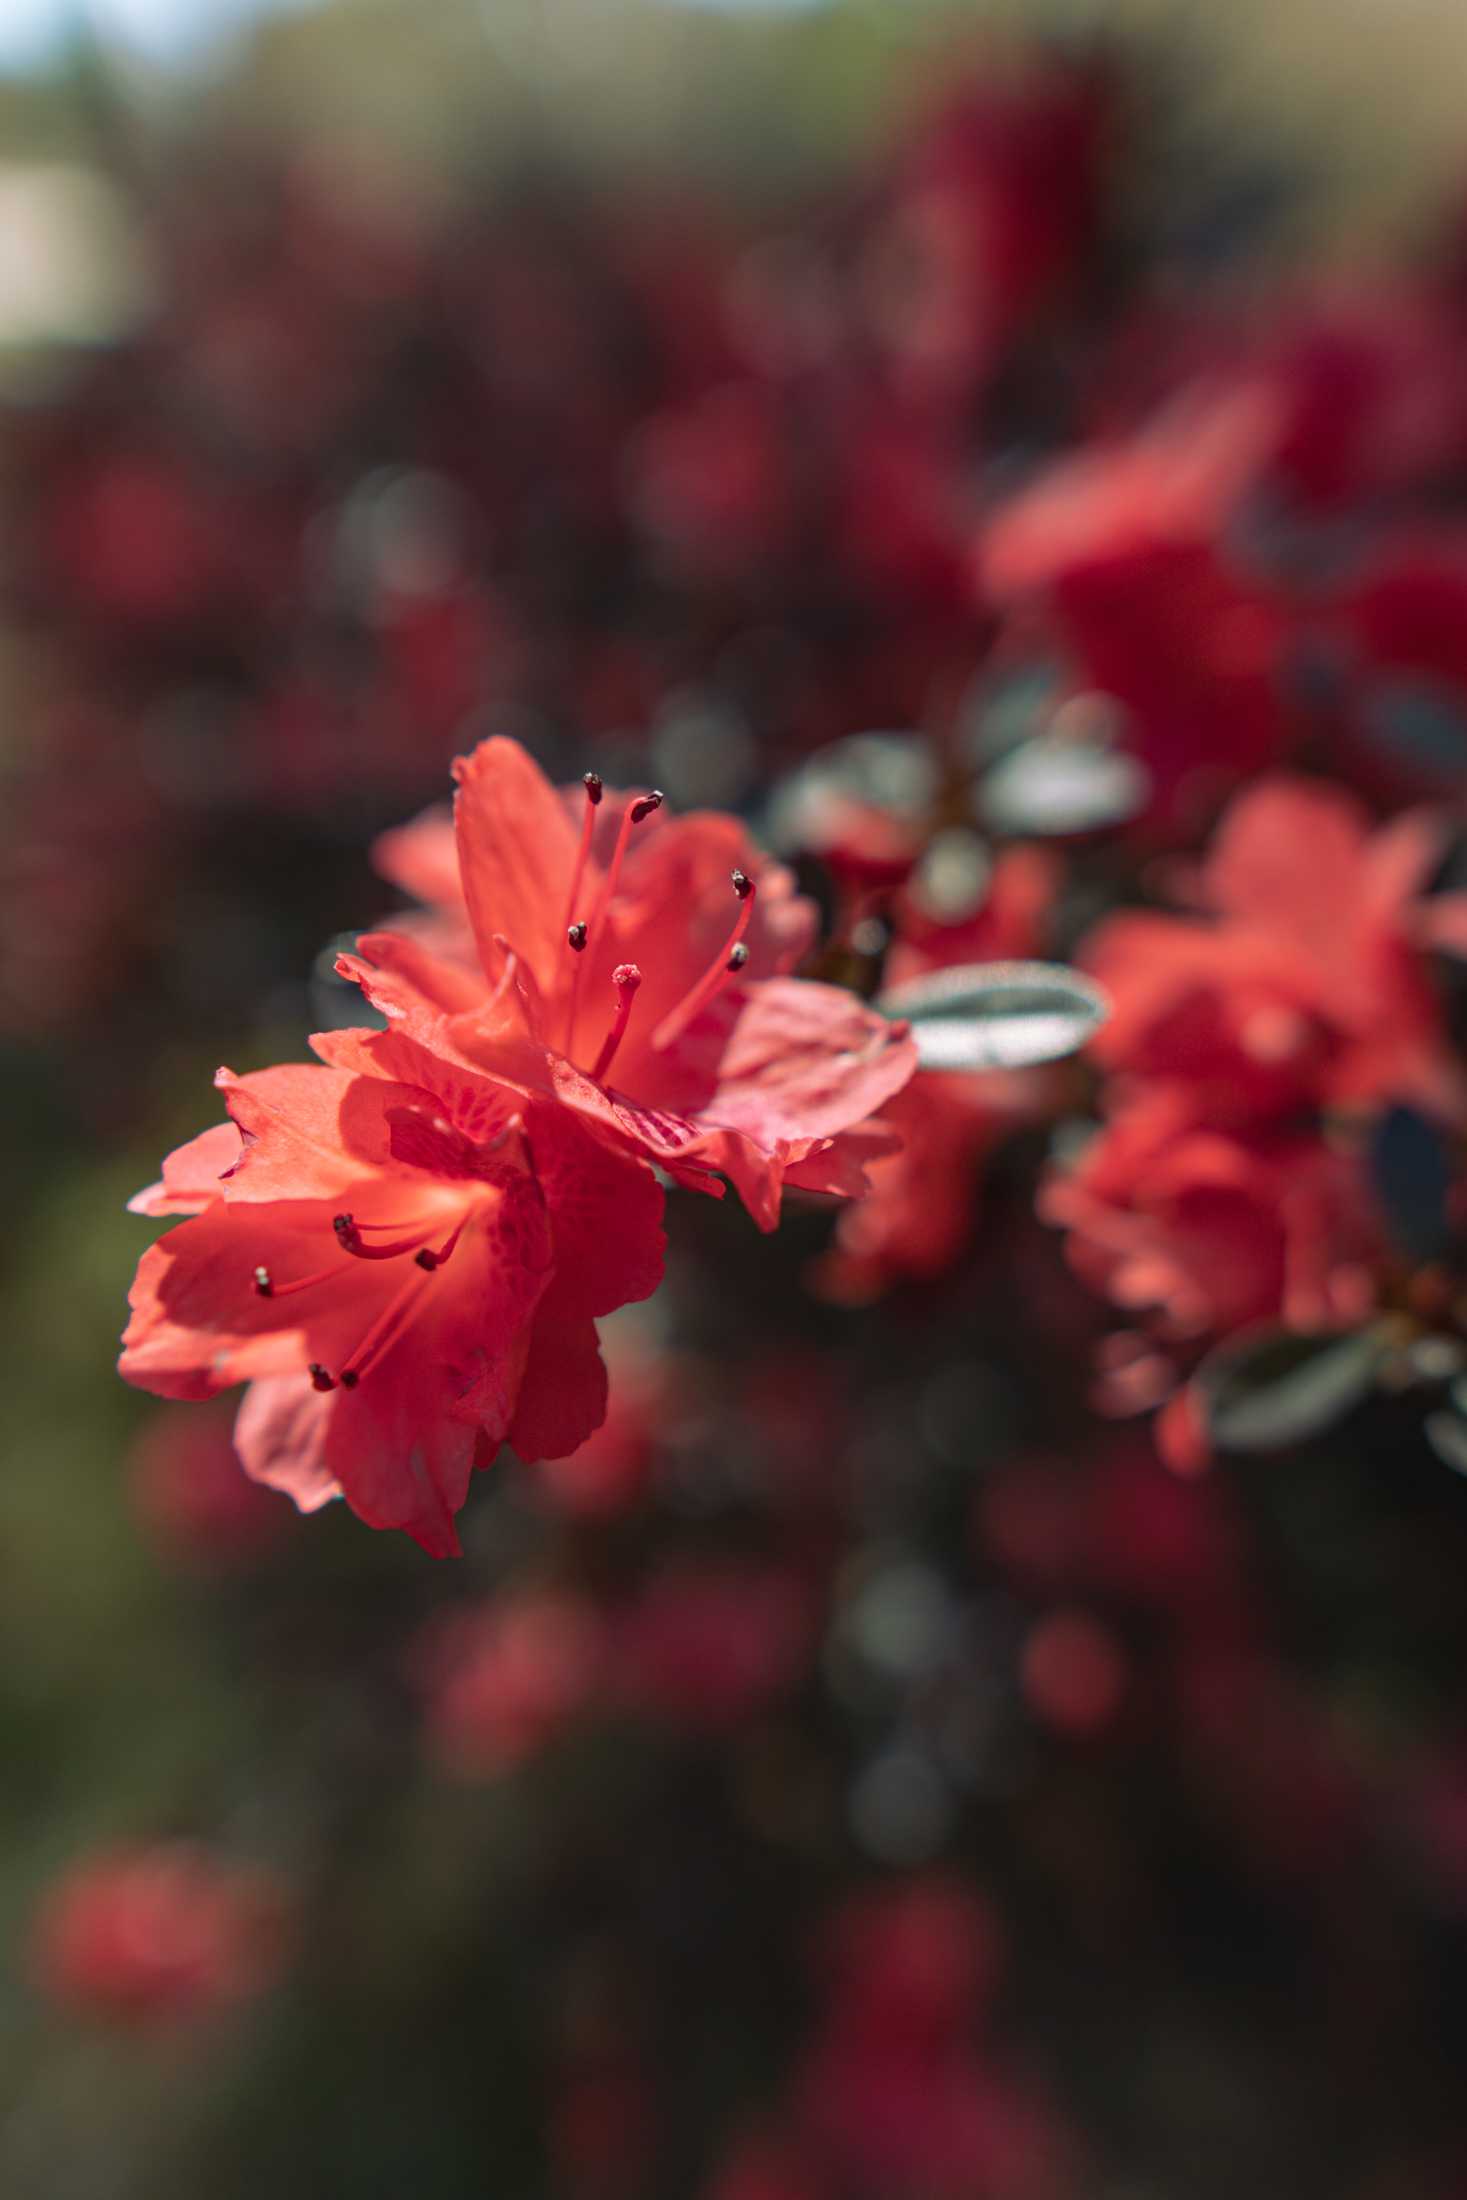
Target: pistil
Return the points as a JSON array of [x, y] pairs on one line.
[[626, 978]]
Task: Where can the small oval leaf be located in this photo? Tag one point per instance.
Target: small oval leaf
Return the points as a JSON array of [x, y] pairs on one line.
[[1006, 1015], [1446, 1432], [896, 773], [1264, 1392], [1412, 1169], [1419, 723], [1052, 785]]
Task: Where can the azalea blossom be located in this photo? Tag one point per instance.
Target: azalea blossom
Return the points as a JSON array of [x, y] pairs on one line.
[[634, 968], [403, 1249], [405, 1269], [158, 1933], [1303, 982]]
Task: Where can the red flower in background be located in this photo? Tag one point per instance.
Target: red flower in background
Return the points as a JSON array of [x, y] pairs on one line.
[[157, 1933], [505, 1681], [1304, 985], [1249, 1050]]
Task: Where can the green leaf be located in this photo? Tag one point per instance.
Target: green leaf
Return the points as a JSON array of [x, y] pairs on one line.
[[1002, 1015], [1271, 1389]]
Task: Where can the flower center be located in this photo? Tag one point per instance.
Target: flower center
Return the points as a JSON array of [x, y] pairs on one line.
[[580, 931], [354, 1238]]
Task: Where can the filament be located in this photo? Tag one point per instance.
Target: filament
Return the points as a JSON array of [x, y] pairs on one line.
[[730, 959]]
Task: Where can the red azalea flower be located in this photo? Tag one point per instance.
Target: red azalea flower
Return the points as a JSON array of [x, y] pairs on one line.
[[1194, 652], [158, 1932], [654, 945], [406, 1270], [1207, 1231], [505, 1681], [709, 1643], [1171, 485], [189, 1490], [1307, 985]]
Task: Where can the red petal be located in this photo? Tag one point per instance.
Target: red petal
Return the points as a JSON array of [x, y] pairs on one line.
[[563, 1393], [280, 1434], [290, 1121], [198, 1326], [191, 1174], [422, 858], [804, 1061], [516, 852]]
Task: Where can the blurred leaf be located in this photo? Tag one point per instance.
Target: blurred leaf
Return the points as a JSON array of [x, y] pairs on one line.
[[1446, 1432], [1412, 1172], [1056, 785], [1002, 1015], [1267, 1391], [894, 772], [1415, 723], [337, 1004]]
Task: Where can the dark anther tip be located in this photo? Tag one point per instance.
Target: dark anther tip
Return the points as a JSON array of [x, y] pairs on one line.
[[591, 781], [646, 804], [426, 1259], [738, 957], [576, 935], [320, 1379], [349, 1381], [262, 1282], [743, 885]]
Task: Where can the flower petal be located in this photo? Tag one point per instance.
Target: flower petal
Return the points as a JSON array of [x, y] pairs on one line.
[[804, 1061], [191, 1174], [280, 1434], [516, 852]]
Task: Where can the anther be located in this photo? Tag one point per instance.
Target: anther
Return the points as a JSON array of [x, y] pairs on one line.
[[426, 1258], [641, 806], [263, 1284], [591, 781], [346, 1231], [731, 957], [349, 1379], [575, 935], [320, 1379]]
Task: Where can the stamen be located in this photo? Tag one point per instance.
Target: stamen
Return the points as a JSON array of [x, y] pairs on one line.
[[626, 978], [591, 781], [383, 1333], [430, 1259], [301, 1283], [575, 936], [320, 1380], [640, 806], [349, 1236], [263, 1285], [731, 958]]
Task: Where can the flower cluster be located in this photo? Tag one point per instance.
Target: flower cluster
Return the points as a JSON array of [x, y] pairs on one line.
[[403, 1248]]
